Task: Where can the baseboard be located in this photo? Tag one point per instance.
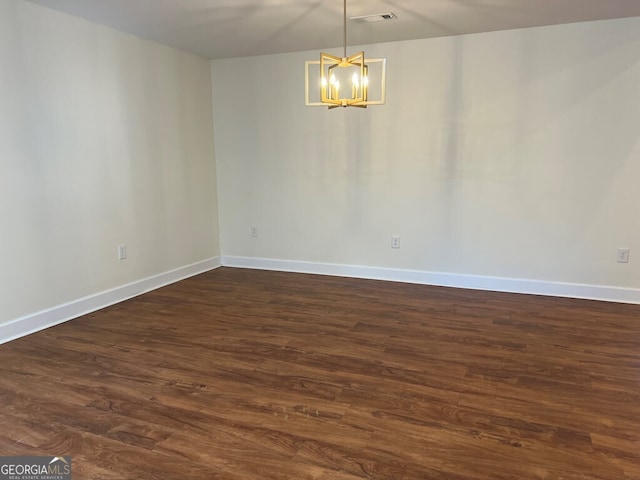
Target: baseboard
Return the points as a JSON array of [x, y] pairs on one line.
[[32, 323], [476, 282], [47, 318]]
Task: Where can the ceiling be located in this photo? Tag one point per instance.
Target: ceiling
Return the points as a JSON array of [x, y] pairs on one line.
[[236, 28]]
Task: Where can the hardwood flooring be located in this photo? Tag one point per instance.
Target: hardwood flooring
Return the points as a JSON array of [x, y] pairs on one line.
[[241, 374]]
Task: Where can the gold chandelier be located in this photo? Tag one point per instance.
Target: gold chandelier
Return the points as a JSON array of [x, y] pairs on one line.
[[345, 81]]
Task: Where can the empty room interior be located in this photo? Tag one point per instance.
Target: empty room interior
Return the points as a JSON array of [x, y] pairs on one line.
[[209, 274]]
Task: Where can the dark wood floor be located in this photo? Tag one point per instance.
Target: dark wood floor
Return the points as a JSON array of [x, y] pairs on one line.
[[240, 374]]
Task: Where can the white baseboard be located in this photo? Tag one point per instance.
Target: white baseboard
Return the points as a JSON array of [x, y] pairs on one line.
[[53, 316], [32, 323], [476, 282]]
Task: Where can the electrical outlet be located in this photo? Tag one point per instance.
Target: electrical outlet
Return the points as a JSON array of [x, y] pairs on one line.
[[254, 231], [623, 255], [395, 241], [122, 252]]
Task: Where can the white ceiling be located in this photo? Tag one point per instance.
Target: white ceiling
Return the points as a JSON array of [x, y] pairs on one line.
[[235, 28]]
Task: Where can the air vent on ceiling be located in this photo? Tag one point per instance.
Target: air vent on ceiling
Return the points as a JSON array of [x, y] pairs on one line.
[[376, 17]]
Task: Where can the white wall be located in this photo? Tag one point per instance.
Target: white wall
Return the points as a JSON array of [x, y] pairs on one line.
[[104, 139], [511, 154]]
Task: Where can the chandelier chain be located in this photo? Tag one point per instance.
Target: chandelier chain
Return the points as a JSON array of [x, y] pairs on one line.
[[344, 32]]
